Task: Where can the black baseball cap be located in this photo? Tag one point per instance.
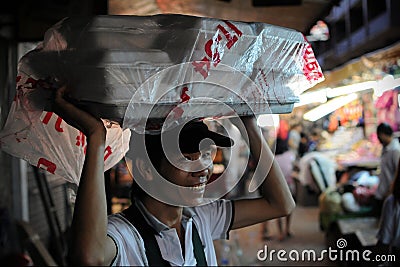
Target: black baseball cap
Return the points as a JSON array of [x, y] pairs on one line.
[[194, 136], [194, 132]]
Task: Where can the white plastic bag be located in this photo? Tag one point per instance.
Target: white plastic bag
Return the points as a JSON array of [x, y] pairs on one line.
[[45, 140]]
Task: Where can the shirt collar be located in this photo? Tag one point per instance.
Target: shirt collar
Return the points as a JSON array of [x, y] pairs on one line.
[[156, 224], [188, 212]]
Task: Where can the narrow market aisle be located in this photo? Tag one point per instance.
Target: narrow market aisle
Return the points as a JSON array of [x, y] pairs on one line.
[[245, 243]]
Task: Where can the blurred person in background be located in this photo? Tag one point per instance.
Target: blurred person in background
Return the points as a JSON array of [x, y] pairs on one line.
[[388, 164], [389, 225], [303, 146], [294, 138], [286, 162], [313, 143]]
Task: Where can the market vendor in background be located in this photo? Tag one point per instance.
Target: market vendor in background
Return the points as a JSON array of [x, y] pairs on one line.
[[389, 231], [313, 142], [295, 138], [388, 164]]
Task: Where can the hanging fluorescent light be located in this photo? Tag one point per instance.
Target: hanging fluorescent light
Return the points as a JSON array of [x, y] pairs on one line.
[[398, 100], [386, 84], [312, 97], [349, 89], [329, 107], [264, 120]]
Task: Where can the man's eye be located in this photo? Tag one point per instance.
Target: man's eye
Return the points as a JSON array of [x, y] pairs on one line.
[[183, 158], [206, 155]]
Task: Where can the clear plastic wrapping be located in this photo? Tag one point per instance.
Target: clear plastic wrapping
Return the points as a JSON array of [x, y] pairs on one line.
[[135, 70]]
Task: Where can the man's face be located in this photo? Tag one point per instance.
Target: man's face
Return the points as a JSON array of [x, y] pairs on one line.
[[383, 139], [191, 171], [299, 128]]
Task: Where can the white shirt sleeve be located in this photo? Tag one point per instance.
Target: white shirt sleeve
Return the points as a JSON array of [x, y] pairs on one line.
[[388, 164], [129, 243], [218, 216]]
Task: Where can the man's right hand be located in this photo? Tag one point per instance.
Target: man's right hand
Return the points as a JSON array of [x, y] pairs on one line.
[[76, 117]]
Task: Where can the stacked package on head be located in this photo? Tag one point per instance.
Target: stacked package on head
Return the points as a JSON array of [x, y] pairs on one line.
[[138, 71]]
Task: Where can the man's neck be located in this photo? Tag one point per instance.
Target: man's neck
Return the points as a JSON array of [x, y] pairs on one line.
[[171, 216], [388, 141]]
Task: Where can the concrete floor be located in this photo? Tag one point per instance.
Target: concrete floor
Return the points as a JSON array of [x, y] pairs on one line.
[[245, 243]]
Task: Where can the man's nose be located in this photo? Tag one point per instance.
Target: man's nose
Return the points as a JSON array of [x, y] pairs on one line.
[[201, 166], [203, 172]]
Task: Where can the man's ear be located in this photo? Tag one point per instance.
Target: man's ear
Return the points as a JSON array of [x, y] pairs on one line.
[[144, 169]]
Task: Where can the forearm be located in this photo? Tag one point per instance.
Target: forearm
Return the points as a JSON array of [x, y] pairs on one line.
[[275, 189], [89, 242], [89, 225]]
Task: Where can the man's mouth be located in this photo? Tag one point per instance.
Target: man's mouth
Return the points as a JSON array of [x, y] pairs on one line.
[[200, 186]]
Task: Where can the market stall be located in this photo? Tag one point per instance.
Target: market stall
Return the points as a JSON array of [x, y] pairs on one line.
[[350, 140]]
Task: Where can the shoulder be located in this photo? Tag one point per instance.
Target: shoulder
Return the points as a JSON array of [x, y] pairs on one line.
[[217, 204], [394, 146], [117, 218], [389, 202], [118, 225], [129, 243], [396, 142], [212, 211], [214, 219], [390, 199]]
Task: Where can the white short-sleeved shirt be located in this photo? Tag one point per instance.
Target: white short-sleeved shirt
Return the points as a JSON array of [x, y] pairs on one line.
[[389, 226], [296, 138], [212, 221], [389, 161]]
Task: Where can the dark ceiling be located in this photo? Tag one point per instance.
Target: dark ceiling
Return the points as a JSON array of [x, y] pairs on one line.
[[27, 20], [289, 14], [30, 18]]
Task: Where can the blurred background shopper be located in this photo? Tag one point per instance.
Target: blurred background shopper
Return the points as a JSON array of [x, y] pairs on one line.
[[388, 163], [389, 226]]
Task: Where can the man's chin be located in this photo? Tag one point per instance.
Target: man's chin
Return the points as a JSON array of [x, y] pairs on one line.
[[191, 198], [181, 197]]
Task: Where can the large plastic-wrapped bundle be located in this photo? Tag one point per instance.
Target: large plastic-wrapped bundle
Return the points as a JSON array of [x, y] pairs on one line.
[[130, 69]]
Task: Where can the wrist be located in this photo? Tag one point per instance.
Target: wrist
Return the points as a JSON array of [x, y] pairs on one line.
[[248, 120], [98, 134]]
